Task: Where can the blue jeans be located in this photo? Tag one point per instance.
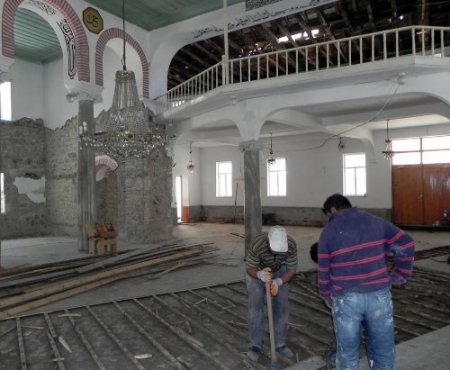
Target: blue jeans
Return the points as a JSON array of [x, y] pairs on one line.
[[256, 302], [350, 310]]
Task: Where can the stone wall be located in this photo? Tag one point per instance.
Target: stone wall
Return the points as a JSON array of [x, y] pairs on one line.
[[106, 199], [144, 199], [61, 174], [22, 146]]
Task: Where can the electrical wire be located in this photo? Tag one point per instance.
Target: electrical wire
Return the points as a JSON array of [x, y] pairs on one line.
[[373, 118]]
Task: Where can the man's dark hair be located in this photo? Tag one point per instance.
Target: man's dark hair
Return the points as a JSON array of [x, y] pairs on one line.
[[336, 201], [313, 252]]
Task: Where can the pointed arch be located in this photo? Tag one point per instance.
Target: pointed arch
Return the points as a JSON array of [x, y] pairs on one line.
[[113, 33], [82, 53]]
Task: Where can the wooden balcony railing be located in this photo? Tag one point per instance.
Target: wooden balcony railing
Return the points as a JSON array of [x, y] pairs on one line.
[[342, 53]]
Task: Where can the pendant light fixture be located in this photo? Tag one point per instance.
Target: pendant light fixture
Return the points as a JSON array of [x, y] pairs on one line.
[[190, 167], [387, 152], [128, 131], [271, 160]]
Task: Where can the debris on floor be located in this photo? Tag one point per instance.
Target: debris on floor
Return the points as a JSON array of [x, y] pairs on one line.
[[202, 328], [24, 289]]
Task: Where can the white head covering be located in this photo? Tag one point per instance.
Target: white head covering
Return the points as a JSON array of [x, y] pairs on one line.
[[278, 239]]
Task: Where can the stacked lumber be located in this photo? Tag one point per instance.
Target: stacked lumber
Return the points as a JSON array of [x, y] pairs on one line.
[[24, 289]]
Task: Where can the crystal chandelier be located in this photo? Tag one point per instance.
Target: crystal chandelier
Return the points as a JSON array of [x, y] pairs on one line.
[[128, 131], [388, 153], [190, 167], [271, 160]]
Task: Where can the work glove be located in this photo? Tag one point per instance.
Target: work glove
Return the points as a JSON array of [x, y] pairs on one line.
[[265, 275], [276, 283]]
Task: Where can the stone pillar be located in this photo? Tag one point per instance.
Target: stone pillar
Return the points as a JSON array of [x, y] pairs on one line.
[[252, 208], [86, 94], [86, 172], [131, 199], [5, 64], [144, 199]]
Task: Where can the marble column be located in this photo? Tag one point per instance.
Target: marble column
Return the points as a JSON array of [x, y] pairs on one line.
[[86, 172], [252, 207]]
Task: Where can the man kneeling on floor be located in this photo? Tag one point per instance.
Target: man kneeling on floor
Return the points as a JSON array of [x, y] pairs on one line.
[[272, 257]]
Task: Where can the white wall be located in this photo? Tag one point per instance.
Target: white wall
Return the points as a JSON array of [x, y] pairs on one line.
[[312, 175], [208, 159], [27, 84], [57, 109]]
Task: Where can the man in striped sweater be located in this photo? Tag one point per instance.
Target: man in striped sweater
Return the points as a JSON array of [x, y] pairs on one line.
[[354, 279], [272, 258]]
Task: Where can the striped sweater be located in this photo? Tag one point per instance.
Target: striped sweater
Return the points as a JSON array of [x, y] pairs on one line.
[[353, 251], [259, 255]]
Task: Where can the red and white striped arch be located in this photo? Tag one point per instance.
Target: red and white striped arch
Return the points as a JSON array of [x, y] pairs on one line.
[[82, 53], [113, 33]]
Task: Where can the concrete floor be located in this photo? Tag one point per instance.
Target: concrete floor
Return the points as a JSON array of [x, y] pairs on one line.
[[228, 266]]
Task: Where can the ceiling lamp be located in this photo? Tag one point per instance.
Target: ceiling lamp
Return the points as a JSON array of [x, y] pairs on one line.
[[127, 132], [271, 160], [190, 167], [387, 152]]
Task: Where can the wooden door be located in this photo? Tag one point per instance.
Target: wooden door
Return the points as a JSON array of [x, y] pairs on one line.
[[407, 195], [184, 214], [436, 191]]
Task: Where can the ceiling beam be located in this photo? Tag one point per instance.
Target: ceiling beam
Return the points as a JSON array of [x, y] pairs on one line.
[[215, 57], [424, 12], [195, 57], [330, 34], [273, 39]]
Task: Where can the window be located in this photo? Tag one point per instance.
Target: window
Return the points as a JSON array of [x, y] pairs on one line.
[[427, 150], [224, 171], [276, 178], [354, 174], [2, 192], [5, 101]]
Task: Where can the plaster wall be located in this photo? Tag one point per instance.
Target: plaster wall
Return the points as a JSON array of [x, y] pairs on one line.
[[57, 108], [27, 98]]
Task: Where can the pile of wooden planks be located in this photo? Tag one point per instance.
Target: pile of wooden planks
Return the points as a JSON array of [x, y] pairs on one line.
[[28, 288]]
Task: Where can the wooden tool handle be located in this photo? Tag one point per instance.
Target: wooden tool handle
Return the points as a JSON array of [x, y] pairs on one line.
[[273, 351]]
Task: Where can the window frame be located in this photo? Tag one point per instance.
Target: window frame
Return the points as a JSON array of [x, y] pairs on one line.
[[420, 151], [228, 181], [354, 170], [277, 174]]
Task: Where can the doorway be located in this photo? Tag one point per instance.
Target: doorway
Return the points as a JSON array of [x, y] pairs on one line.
[[420, 193], [182, 199], [179, 197]]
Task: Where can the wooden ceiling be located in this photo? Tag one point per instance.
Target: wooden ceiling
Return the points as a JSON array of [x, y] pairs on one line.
[[337, 20]]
